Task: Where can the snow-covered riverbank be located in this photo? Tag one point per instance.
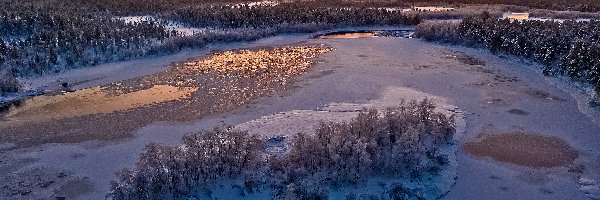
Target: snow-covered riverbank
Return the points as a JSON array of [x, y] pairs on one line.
[[496, 95]]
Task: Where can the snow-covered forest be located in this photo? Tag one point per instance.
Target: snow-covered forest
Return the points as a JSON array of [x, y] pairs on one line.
[[38, 38], [50, 36], [400, 142], [569, 48], [578, 5]]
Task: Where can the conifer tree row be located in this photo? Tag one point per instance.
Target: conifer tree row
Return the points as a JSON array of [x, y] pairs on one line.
[[571, 48]]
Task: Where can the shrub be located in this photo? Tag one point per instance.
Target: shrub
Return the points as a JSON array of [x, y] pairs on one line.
[[9, 83], [169, 172], [399, 191], [400, 142], [444, 31], [391, 143]]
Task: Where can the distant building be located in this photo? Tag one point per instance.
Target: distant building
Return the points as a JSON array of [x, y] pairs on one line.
[[431, 8], [516, 16]]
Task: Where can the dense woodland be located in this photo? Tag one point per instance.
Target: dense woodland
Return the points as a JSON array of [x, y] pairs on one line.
[[401, 142], [570, 48], [49, 36], [575, 5], [563, 5], [41, 37]]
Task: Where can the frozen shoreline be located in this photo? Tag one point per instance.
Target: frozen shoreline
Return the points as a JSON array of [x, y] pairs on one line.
[[106, 73]]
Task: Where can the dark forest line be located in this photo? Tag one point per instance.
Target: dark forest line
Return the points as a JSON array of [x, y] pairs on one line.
[[568, 48], [51, 36]]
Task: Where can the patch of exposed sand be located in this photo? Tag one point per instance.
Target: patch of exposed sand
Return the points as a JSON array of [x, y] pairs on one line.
[[523, 149], [94, 101]]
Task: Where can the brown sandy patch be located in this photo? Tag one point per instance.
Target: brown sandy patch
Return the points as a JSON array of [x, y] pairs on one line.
[[94, 101], [523, 149]]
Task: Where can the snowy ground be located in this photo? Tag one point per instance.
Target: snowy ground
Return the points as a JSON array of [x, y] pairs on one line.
[[488, 89], [286, 124]]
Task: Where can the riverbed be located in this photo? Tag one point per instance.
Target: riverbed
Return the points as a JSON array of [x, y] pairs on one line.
[[495, 95]]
